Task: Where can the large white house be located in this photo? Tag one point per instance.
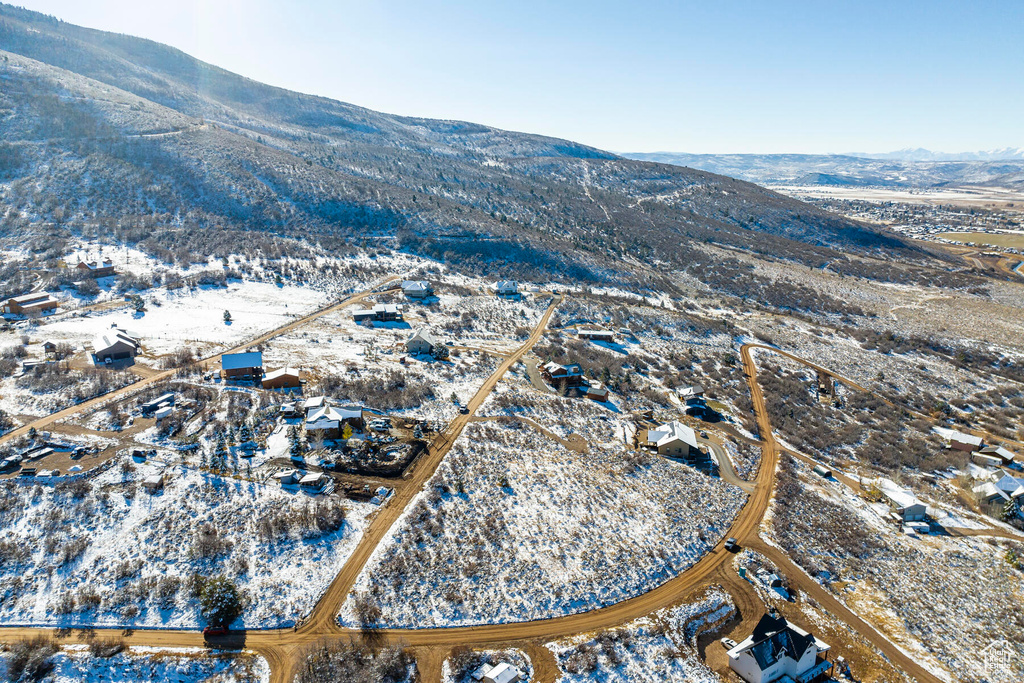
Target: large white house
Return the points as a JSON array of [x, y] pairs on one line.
[[417, 289], [674, 438], [506, 288], [777, 649]]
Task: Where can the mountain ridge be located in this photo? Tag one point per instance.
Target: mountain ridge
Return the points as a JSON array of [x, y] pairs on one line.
[[166, 136]]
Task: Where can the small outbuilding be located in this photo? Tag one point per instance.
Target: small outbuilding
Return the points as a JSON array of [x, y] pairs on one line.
[[153, 483]]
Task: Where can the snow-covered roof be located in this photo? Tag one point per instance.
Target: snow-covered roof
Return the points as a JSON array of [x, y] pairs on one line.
[[314, 402], [507, 285], [1009, 485], [673, 431], [31, 299], [274, 374], [237, 361], [332, 414], [424, 335], [960, 437], [899, 497], [112, 338], [415, 286], [502, 673], [695, 390], [990, 490]]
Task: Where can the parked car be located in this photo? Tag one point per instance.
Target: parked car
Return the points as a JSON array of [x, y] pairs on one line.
[[731, 544], [703, 435], [464, 409], [211, 631]]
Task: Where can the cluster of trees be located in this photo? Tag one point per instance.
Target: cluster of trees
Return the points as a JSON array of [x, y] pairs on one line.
[[311, 520]]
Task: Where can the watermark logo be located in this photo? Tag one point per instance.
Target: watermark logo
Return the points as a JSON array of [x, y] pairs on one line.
[[998, 658]]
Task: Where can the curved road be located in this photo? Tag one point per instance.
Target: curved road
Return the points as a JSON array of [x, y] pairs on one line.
[[283, 647]]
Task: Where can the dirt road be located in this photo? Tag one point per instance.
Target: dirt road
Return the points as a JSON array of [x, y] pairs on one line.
[[167, 374]]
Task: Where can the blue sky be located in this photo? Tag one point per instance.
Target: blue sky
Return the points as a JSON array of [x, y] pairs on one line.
[[715, 76]]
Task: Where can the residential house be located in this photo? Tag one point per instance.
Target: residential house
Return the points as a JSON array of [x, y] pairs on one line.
[[506, 288], [285, 378], [313, 403], [289, 477], [991, 499], [596, 335], [49, 347], [103, 267], [328, 421], [562, 375], [242, 366], [39, 302], [777, 650], [693, 397], [115, 344], [150, 407], [417, 289], [903, 502], [314, 482], [422, 342], [674, 439], [379, 312]]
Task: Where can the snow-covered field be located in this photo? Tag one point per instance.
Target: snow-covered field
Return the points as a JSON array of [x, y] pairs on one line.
[[659, 647], [513, 527], [195, 317], [77, 665], [115, 554]]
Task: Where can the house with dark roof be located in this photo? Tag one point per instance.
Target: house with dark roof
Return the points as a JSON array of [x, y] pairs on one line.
[[114, 345], [562, 375], [778, 650]]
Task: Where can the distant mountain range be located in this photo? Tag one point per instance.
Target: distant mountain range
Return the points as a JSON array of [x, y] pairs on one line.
[[921, 154], [906, 168]]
